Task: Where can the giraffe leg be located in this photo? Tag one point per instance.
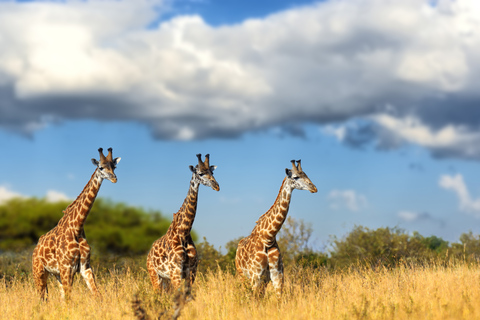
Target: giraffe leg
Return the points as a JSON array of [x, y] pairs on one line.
[[258, 285], [60, 286], [259, 274], [66, 281], [177, 263], [192, 261], [275, 264], [40, 277], [85, 269], [176, 276], [89, 277], [154, 278]]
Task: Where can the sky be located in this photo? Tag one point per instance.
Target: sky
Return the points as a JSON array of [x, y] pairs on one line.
[[378, 98]]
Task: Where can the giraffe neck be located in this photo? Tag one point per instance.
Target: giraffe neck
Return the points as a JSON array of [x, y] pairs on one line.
[[76, 213], [183, 219], [269, 224]]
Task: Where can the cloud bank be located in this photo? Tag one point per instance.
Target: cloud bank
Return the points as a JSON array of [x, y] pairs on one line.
[[407, 70]]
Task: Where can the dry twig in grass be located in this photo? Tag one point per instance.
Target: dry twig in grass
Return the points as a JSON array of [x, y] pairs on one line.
[[180, 299], [138, 311]]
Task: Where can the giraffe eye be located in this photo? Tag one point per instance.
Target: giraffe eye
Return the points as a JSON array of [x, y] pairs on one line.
[[201, 174], [100, 168], [296, 178]]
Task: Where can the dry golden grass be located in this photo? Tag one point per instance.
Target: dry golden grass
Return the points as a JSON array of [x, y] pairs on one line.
[[408, 292]]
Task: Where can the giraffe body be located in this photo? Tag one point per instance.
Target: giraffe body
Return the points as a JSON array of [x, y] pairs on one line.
[[64, 251], [174, 255], [258, 256]]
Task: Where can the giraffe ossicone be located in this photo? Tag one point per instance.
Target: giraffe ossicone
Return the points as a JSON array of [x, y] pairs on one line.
[[64, 251], [258, 256], [174, 255]]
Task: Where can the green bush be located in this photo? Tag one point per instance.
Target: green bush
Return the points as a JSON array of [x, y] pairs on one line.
[[110, 227]]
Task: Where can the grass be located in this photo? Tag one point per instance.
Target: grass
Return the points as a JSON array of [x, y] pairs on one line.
[[428, 291]]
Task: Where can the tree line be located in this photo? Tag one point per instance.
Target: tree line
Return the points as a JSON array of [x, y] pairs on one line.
[[117, 229]]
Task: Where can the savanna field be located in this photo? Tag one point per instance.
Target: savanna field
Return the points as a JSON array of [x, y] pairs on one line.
[[368, 274], [421, 291]]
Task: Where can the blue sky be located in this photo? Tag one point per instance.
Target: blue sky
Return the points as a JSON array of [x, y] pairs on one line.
[[378, 98]]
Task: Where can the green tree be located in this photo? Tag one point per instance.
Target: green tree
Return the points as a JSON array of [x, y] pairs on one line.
[[231, 247], [384, 246], [211, 258], [110, 227], [294, 239], [468, 248], [23, 221]]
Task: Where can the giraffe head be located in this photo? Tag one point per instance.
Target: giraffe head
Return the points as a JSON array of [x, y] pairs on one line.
[[203, 172], [299, 179], [106, 166]]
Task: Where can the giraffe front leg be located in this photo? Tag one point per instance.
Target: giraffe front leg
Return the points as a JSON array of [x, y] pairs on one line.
[[176, 276], [60, 286], [177, 263], [259, 274], [275, 264], [85, 268], [40, 275], [191, 273], [66, 281], [154, 278]]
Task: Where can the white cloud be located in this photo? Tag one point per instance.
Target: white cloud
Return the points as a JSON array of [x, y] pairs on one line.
[[51, 195], [6, 194], [56, 196], [413, 130], [324, 63], [456, 184], [348, 199], [412, 216], [446, 140], [408, 215]]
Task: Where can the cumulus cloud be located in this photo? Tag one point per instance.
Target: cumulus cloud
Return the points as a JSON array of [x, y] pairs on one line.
[[56, 196], [456, 184], [348, 199], [7, 194], [407, 69]]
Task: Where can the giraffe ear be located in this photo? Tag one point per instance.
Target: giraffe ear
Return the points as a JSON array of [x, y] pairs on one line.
[[192, 168], [288, 172], [95, 162], [213, 168], [117, 160]]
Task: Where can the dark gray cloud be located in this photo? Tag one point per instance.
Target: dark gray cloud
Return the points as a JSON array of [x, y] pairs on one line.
[[372, 68]]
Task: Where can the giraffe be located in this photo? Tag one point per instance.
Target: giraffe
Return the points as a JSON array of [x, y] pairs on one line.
[[64, 251], [258, 256], [174, 255]]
